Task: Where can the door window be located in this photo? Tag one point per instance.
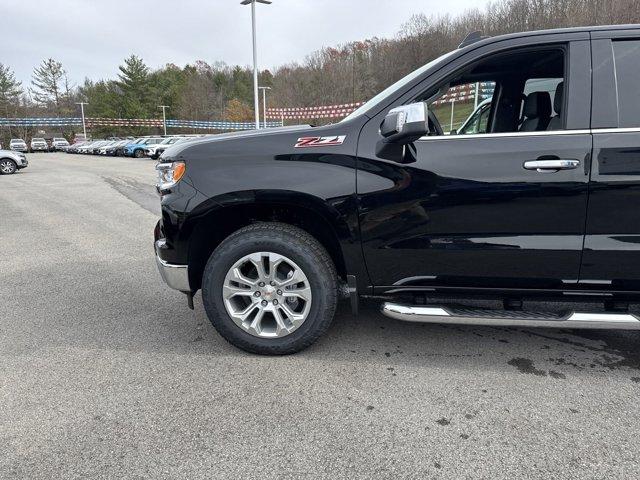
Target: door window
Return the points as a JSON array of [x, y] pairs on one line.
[[519, 91], [627, 63]]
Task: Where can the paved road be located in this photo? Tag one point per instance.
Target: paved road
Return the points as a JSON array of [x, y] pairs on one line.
[[105, 373]]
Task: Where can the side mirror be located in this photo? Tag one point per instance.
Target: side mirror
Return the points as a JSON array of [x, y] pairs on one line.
[[401, 126], [405, 124]]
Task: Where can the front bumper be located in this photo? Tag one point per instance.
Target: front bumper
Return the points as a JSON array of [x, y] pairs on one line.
[[176, 276]]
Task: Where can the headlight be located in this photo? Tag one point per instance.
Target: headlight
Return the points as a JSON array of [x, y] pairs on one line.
[[169, 173]]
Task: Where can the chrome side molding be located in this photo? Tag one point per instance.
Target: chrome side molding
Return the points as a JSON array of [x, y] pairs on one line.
[[445, 315]]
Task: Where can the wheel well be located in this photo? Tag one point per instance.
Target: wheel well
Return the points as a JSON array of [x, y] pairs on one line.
[[211, 231]]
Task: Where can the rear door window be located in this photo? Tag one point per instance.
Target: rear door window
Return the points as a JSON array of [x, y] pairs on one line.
[[626, 56]]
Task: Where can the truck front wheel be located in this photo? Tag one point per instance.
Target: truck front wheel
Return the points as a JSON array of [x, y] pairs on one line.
[[270, 288]]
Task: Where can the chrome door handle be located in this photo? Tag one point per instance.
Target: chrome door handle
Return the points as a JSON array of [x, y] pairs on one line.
[[547, 166]]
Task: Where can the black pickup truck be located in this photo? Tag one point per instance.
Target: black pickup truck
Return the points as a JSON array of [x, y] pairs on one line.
[[531, 219]]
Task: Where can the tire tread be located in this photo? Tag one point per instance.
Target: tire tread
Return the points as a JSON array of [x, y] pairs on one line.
[[286, 233]]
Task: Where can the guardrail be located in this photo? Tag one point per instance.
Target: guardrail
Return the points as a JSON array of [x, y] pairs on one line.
[[130, 122]]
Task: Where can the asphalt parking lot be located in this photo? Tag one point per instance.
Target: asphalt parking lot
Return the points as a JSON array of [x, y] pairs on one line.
[[105, 373]]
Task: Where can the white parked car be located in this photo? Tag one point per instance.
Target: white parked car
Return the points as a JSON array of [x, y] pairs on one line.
[[18, 145], [154, 151], [11, 161], [59, 143], [39, 145]]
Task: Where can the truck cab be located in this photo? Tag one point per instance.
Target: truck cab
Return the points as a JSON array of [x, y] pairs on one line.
[[529, 219]]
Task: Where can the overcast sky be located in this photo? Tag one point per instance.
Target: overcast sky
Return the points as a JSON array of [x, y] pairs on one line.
[[92, 37]]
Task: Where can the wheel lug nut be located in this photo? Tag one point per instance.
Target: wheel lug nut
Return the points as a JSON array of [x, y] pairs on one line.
[[261, 284], [275, 302], [264, 303], [257, 294], [272, 283], [279, 292]]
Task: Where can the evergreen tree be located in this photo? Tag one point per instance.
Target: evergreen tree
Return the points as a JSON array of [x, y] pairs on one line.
[[136, 88], [10, 88], [10, 92], [48, 84]]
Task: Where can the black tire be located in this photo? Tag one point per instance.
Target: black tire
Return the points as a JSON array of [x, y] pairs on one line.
[[7, 166], [139, 153], [293, 243]]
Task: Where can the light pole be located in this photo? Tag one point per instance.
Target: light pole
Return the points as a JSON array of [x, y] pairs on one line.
[[164, 117], [264, 104], [84, 126], [255, 55]]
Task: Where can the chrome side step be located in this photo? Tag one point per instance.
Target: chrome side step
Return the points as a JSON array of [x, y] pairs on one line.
[[498, 318]]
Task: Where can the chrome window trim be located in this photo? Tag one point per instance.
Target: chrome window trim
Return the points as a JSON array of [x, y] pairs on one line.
[[616, 130], [531, 134], [505, 134]]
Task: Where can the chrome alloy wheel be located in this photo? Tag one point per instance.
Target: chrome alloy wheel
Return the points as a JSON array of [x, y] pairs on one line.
[[7, 166], [267, 295]]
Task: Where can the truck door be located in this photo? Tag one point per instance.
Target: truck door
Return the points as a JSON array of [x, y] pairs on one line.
[[503, 207], [612, 243]]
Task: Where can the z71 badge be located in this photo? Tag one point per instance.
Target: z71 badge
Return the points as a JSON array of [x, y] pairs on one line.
[[306, 142]]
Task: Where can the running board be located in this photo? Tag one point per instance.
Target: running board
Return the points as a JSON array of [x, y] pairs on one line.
[[507, 318]]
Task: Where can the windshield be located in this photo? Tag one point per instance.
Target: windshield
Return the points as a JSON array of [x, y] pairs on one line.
[[399, 84]]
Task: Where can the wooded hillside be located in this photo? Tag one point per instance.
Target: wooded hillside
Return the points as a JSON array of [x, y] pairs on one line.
[[340, 74]]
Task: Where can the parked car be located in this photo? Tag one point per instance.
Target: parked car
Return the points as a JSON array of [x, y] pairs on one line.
[[12, 161], [95, 150], [88, 147], [73, 148], [154, 151], [137, 149], [39, 145], [59, 144], [110, 149], [119, 149], [18, 145], [477, 121], [274, 225]]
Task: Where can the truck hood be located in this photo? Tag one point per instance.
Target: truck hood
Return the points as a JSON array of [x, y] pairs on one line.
[[176, 150]]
